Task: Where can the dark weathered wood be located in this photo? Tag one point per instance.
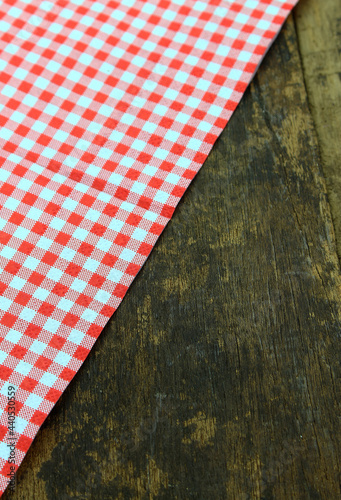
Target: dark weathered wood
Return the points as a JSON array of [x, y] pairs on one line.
[[319, 40], [219, 375]]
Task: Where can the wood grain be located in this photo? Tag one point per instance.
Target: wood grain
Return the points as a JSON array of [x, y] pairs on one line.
[[219, 375], [319, 38]]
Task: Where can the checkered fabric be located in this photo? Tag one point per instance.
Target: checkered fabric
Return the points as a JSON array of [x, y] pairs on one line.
[[108, 109]]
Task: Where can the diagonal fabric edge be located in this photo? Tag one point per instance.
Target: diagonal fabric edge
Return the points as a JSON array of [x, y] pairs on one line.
[[108, 110]]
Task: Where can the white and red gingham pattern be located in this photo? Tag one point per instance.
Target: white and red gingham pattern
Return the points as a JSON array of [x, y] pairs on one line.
[[108, 109]]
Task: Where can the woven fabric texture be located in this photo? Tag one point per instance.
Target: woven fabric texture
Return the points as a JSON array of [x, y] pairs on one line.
[[108, 109]]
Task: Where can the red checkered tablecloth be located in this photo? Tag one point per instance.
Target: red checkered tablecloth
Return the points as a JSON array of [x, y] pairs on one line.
[[108, 109]]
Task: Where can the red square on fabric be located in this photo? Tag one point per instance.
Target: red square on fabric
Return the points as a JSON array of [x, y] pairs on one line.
[[110, 210], [121, 239], [62, 238], [145, 249], [28, 384], [18, 351], [5, 372], [4, 237], [22, 298], [107, 311], [73, 269], [57, 342], [86, 249], [32, 331], [120, 290], [75, 219], [98, 229], [49, 258], [8, 319], [52, 208], [70, 319], [67, 374], [3, 431], [109, 260], [39, 228], [122, 193], [81, 353], [24, 443], [46, 309], [96, 280], [29, 199], [133, 219], [53, 395], [6, 188], [83, 300], [12, 267], [43, 363]]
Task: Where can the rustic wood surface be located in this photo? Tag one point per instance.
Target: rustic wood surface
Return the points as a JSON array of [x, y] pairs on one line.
[[219, 376], [318, 27]]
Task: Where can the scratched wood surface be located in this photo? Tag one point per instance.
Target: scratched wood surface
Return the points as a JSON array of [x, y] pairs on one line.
[[219, 376], [318, 27]]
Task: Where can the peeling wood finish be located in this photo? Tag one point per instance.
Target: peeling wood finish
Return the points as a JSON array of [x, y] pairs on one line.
[[219, 376]]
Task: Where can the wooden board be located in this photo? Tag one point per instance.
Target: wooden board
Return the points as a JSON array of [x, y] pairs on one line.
[[319, 38], [219, 376]]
